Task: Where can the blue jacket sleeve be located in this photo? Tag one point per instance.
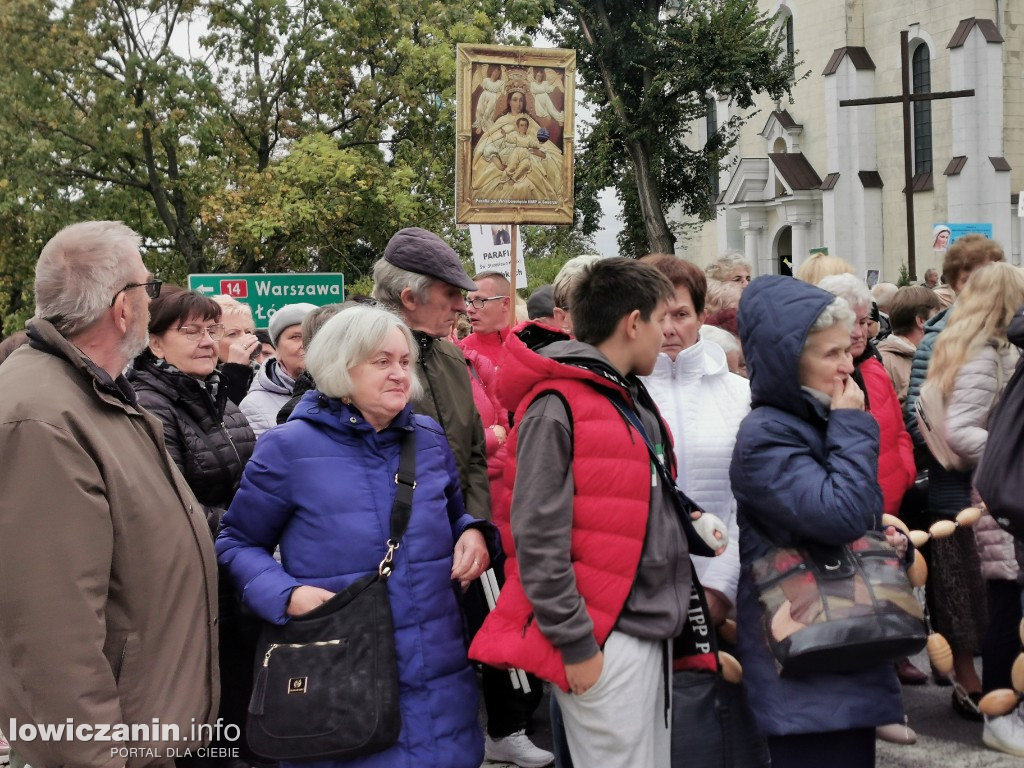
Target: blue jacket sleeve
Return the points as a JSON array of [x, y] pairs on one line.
[[784, 488], [252, 528]]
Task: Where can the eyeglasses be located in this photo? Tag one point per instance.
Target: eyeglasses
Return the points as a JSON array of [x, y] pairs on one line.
[[152, 289], [481, 303], [195, 332]]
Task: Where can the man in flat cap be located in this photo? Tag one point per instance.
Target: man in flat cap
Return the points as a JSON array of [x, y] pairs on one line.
[[420, 276]]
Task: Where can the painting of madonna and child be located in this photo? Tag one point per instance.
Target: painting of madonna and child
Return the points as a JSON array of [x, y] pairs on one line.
[[515, 135]]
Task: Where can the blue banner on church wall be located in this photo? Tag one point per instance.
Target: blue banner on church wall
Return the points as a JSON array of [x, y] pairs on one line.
[[944, 235]]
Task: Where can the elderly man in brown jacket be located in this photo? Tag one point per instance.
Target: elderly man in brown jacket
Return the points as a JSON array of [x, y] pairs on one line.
[[108, 596]]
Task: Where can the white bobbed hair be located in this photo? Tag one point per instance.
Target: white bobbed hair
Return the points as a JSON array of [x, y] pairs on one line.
[[349, 338]]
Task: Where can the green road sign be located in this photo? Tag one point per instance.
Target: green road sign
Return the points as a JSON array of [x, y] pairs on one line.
[[266, 293]]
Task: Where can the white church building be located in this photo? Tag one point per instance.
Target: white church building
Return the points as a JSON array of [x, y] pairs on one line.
[[808, 173]]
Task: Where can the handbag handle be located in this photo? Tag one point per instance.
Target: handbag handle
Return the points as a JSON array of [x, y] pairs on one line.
[[401, 510]]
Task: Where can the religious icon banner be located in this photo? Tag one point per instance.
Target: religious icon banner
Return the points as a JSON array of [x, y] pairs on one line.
[[515, 135]]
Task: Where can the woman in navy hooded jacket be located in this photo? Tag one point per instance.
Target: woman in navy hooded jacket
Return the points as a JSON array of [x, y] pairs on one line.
[[322, 486], [805, 467]]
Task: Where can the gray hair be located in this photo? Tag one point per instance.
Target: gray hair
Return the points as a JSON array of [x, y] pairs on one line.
[[883, 294], [80, 270], [350, 338], [836, 313], [721, 337], [566, 278], [723, 267], [389, 281], [849, 287]]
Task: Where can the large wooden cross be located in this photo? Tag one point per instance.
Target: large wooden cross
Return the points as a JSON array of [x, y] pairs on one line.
[[908, 160]]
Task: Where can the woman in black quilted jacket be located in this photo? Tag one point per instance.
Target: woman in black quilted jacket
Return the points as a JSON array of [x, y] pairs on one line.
[[209, 439]]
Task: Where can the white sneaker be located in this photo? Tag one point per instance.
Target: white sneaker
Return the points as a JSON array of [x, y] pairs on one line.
[[1005, 733], [517, 748], [896, 733]]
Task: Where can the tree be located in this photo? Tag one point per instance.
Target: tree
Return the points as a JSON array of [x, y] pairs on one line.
[[649, 66], [252, 135]]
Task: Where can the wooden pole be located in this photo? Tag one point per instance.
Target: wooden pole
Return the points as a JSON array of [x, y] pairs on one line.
[[908, 160], [514, 240]]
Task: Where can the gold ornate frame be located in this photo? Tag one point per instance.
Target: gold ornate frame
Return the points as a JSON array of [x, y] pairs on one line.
[[518, 63]]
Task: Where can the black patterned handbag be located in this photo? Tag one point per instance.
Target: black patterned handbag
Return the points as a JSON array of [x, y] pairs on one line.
[[326, 683], [837, 608]]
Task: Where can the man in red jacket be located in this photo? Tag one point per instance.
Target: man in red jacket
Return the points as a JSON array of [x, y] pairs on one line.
[[487, 309]]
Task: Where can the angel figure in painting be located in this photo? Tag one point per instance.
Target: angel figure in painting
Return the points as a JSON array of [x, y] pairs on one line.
[[492, 86], [541, 86]]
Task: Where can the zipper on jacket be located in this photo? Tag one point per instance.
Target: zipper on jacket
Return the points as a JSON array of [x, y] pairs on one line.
[[227, 435]]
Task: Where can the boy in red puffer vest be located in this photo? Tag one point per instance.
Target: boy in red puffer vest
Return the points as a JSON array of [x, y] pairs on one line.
[[599, 578]]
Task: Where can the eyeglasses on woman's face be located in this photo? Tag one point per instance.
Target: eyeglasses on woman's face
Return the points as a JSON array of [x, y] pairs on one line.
[[152, 289], [195, 332]]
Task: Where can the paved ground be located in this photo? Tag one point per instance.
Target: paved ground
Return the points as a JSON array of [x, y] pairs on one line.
[[944, 739]]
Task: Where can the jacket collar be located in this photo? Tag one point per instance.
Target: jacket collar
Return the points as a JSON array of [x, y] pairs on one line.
[[43, 336]]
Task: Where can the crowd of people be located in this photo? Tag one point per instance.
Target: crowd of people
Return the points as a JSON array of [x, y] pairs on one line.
[[614, 463]]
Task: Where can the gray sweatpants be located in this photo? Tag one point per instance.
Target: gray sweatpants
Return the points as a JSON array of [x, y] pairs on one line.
[[620, 722]]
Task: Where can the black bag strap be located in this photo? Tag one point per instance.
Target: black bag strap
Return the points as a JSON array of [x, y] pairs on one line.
[[685, 506], [401, 510]]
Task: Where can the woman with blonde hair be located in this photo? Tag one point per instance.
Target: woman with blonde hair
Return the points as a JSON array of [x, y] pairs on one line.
[[972, 362], [821, 265]]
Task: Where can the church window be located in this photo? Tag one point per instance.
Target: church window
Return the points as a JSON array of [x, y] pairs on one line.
[[922, 83], [711, 123]]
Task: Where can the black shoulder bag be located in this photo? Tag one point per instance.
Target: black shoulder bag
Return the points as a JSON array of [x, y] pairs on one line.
[[326, 683]]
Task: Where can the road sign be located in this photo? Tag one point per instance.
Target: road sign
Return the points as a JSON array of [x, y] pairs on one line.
[[266, 293]]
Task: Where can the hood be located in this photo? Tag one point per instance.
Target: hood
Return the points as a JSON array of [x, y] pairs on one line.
[[898, 346], [937, 323], [535, 352], [776, 315], [342, 421], [44, 337], [272, 379]]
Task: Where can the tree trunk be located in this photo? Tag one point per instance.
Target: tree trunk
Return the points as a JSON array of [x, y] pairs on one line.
[[659, 236]]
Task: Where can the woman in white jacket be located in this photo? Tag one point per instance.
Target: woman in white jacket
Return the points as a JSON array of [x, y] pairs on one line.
[[971, 365], [703, 404]]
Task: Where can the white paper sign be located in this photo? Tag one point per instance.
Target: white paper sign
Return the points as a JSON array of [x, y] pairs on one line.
[[492, 250], [1020, 205]]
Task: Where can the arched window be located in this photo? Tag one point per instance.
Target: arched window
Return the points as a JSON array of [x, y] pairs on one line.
[[711, 123], [790, 47], [922, 75]]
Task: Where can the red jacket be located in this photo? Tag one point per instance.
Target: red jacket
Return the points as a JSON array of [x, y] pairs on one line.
[[482, 375], [611, 470], [488, 345], [896, 469]]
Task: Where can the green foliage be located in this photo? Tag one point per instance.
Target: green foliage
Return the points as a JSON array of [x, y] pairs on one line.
[[649, 69], [290, 135], [904, 278]]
